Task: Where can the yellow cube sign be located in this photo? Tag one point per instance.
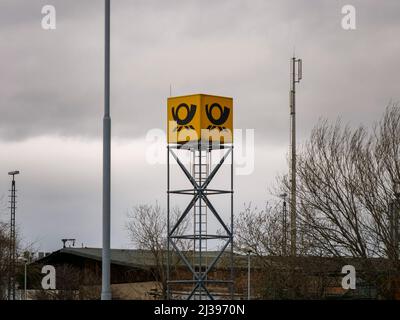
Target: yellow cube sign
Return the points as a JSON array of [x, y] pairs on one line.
[[200, 117]]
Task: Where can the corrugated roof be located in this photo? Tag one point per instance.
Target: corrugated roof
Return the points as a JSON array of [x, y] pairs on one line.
[[144, 259], [128, 257], [133, 258]]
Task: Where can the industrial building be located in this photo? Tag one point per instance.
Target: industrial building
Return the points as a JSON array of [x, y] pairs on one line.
[[135, 275]]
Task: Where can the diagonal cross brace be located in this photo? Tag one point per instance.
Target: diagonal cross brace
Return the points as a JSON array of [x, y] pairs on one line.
[[199, 193], [200, 190], [211, 207], [212, 264], [184, 214], [203, 276], [211, 175], [187, 173], [200, 284], [184, 259], [215, 170], [194, 272]]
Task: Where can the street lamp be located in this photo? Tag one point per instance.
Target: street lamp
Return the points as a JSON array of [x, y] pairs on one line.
[[25, 261], [283, 196], [106, 252], [249, 251]]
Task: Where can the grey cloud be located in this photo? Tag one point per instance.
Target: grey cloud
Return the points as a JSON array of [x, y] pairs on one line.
[[52, 82]]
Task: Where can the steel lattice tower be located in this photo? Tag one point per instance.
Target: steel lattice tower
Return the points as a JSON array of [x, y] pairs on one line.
[[201, 207], [12, 245]]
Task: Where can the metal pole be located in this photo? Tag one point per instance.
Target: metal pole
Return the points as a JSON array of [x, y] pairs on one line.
[[396, 227], [168, 228], [12, 245], [395, 207], [293, 162], [248, 275], [13, 240], [284, 225], [25, 282], [106, 288], [200, 224], [232, 256]]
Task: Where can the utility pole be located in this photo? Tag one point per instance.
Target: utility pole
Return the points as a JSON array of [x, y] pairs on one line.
[[12, 245], [25, 279], [106, 286], [283, 196], [248, 274], [295, 78]]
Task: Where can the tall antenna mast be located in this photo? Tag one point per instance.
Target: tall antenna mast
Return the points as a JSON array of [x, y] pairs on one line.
[[12, 249], [296, 76]]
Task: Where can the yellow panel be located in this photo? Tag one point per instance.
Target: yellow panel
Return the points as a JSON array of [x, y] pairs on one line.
[[183, 119], [216, 119], [200, 116]]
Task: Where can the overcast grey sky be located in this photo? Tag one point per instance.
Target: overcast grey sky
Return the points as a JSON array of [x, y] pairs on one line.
[[51, 93]]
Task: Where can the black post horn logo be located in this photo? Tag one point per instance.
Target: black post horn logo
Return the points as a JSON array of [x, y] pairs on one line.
[[217, 123], [182, 123]]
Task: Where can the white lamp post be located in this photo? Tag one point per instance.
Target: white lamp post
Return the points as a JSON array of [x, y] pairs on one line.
[[25, 261], [248, 274]]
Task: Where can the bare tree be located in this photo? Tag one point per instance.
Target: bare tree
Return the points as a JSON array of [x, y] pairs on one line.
[[4, 250], [346, 208], [260, 231], [147, 227], [4, 257], [345, 184], [278, 276]]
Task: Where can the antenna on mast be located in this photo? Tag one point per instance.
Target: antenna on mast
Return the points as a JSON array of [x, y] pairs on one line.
[[296, 75]]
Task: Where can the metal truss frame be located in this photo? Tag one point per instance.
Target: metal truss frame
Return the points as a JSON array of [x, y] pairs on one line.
[[200, 192]]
